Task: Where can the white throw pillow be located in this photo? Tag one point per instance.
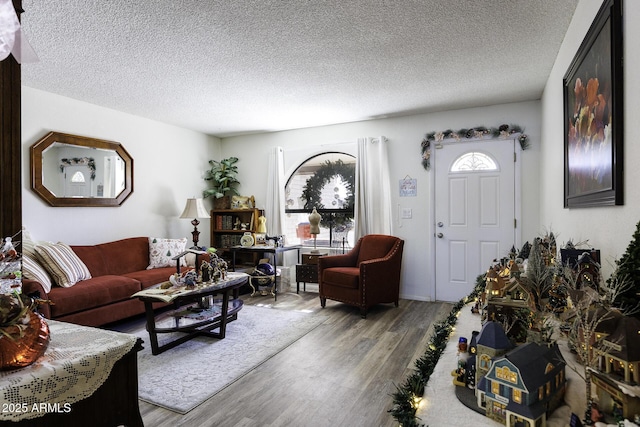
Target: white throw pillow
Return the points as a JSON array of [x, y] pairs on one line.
[[31, 269], [162, 250], [28, 245], [64, 266]]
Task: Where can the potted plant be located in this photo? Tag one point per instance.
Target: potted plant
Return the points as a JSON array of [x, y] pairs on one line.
[[223, 177]]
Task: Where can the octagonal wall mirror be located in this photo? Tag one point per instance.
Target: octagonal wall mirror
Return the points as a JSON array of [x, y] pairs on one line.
[[72, 171]]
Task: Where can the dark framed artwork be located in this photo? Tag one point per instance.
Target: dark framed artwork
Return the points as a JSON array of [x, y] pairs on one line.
[[593, 115]]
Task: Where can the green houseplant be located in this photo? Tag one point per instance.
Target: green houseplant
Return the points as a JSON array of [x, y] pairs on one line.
[[223, 177]]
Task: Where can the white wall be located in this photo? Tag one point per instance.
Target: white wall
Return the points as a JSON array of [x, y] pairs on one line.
[[169, 163], [168, 167], [404, 135], [609, 229]]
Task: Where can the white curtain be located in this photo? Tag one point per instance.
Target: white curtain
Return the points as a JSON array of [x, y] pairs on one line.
[[372, 188], [274, 206], [12, 39]]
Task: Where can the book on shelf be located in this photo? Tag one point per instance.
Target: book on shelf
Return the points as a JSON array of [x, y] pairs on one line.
[[227, 240], [224, 222]]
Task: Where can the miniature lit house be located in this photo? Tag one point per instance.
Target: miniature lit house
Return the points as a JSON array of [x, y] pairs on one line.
[[525, 385], [618, 382], [505, 295], [490, 342], [521, 386]]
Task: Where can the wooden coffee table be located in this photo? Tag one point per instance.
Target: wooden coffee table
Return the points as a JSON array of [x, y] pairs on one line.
[[195, 311]]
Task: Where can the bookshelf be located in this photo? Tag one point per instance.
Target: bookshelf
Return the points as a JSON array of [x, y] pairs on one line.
[[227, 228]]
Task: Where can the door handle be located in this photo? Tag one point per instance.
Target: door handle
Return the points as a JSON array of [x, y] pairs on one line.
[[440, 235]]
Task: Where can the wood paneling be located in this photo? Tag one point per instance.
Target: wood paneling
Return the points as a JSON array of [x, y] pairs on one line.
[[10, 144]]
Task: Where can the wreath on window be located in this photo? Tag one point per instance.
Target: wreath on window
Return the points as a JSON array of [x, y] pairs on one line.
[[312, 191]]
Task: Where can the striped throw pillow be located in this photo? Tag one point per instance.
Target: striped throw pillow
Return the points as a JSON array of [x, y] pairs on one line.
[[64, 266], [31, 269]]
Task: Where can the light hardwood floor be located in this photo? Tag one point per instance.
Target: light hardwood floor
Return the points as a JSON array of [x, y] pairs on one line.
[[340, 374]]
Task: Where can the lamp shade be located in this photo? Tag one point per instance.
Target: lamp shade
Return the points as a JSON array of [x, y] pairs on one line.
[[194, 209]]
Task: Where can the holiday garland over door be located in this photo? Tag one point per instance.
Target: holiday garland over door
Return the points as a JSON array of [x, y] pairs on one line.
[[478, 132]]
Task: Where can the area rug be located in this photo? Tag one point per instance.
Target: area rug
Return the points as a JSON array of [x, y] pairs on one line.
[[187, 375]]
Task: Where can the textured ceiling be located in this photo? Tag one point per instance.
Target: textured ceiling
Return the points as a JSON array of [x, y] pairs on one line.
[[230, 67]]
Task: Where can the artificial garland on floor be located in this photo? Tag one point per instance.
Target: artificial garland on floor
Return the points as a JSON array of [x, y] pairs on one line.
[[408, 396], [478, 132]]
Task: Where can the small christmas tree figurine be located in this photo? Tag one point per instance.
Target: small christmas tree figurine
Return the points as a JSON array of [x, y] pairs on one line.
[[628, 270]]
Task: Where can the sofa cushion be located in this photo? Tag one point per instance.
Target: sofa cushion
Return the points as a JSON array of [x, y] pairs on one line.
[[162, 250], [346, 277], [31, 269], [151, 277], [91, 293], [64, 266], [93, 259], [125, 255]]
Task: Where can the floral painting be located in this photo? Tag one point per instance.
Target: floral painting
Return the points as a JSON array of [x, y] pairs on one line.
[[593, 115]]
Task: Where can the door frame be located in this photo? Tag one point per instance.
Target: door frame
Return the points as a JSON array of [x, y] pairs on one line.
[[517, 200]]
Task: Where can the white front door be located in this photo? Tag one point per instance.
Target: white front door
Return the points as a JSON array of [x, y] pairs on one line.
[[474, 212], [77, 181]]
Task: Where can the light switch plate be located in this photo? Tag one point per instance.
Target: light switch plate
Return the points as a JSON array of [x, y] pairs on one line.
[[406, 213]]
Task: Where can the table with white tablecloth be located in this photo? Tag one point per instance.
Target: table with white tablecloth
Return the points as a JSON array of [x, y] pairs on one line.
[[85, 371]]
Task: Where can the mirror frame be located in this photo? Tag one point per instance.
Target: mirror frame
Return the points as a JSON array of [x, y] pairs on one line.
[[49, 139]]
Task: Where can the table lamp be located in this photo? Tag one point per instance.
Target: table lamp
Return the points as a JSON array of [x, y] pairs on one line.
[[195, 209], [314, 228]]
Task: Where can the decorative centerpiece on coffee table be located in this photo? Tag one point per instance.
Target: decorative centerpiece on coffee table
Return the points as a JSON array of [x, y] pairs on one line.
[[213, 270]]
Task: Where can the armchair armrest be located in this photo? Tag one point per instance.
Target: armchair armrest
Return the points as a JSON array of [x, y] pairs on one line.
[[33, 286], [380, 266]]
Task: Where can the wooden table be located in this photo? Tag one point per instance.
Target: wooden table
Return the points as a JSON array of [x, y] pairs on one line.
[[195, 311], [308, 270]]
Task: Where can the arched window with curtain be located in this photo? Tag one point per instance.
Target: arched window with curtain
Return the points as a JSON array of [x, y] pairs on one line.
[[324, 182]]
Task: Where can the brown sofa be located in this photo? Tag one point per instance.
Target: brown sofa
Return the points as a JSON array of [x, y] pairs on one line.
[[367, 275], [118, 270]]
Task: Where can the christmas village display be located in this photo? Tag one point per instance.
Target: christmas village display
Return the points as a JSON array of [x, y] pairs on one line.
[[532, 299], [512, 368]]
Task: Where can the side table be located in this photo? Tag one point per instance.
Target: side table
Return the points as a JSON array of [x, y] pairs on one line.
[[308, 270]]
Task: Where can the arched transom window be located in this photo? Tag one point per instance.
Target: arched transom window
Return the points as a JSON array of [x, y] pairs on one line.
[[78, 177], [474, 161]]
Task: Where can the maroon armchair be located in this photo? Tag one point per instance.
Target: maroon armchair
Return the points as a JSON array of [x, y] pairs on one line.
[[367, 275]]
